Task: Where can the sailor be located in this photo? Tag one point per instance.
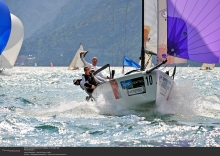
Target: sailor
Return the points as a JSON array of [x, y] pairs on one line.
[[94, 65], [88, 80], [97, 78]]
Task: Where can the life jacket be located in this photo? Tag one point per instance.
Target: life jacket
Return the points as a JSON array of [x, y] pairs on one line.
[[89, 81]]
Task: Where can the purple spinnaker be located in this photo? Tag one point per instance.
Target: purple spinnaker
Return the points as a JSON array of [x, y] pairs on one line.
[[193, 31]]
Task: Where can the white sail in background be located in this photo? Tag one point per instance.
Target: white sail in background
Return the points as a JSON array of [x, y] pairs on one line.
[[12, 49], [162, 39], [76, 62], [206, 66]]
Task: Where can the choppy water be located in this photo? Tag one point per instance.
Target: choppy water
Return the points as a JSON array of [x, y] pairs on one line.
[[39, 106]]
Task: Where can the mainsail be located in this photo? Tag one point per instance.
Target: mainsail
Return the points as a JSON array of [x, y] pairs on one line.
[[148, 61], [150, 25], [194, 30], [76, 62]]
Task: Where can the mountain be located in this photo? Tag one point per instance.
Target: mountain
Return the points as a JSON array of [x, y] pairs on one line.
[[34, 13], [105, 28]]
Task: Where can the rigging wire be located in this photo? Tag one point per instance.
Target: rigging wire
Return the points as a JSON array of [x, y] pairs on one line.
[[113, 31], [120, 40], [125, 23]]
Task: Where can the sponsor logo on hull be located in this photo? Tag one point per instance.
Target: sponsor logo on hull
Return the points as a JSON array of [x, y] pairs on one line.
[[134, 86]]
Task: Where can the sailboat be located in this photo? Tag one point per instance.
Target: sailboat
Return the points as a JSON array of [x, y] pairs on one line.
[[192, 33], [143, 88], [77, 62], [206, 66], [11, 37], [51, 64]]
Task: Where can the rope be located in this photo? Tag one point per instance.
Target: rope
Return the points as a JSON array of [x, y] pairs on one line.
[[179, 68], [113, 31], [120, 40], [125, 22]]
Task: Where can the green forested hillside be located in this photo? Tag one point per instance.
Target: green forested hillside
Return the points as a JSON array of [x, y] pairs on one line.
[[109, 29]]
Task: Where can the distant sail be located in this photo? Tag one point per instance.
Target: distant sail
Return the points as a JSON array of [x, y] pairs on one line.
[[194, 30], [12, 49], [77, 62], [5, 25], [51, 64], [206, 66]]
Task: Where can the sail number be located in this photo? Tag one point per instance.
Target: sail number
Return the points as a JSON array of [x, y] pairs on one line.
[[149, 80]]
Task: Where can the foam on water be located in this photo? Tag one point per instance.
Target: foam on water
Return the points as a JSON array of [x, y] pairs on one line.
[[183, 100], [41, 107]]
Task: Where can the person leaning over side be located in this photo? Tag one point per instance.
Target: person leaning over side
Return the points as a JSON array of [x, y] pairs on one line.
[[93, 64], [88, 80]]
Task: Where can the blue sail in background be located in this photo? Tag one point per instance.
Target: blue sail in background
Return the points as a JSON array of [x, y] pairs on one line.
[[5, 25], [131, 63]]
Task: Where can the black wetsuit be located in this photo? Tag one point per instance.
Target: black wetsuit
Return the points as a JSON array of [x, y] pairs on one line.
[[89, 82]]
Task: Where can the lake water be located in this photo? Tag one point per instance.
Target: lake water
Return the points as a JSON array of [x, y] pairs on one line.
[[40, 106]]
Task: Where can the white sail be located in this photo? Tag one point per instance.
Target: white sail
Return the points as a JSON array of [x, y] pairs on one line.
[[12, 49], [76, 62], [148, 61], [150, 31]]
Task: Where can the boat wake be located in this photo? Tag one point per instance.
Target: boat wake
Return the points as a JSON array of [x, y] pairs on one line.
[[5, 73], [186, 100]]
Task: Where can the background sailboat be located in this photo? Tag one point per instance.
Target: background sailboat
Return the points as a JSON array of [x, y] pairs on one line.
[[206, 66], [11, 37], [77, 62]]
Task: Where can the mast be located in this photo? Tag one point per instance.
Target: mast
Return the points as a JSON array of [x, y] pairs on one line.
[[142, 48]]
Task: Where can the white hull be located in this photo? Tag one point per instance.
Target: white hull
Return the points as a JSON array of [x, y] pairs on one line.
[[138, 90]]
